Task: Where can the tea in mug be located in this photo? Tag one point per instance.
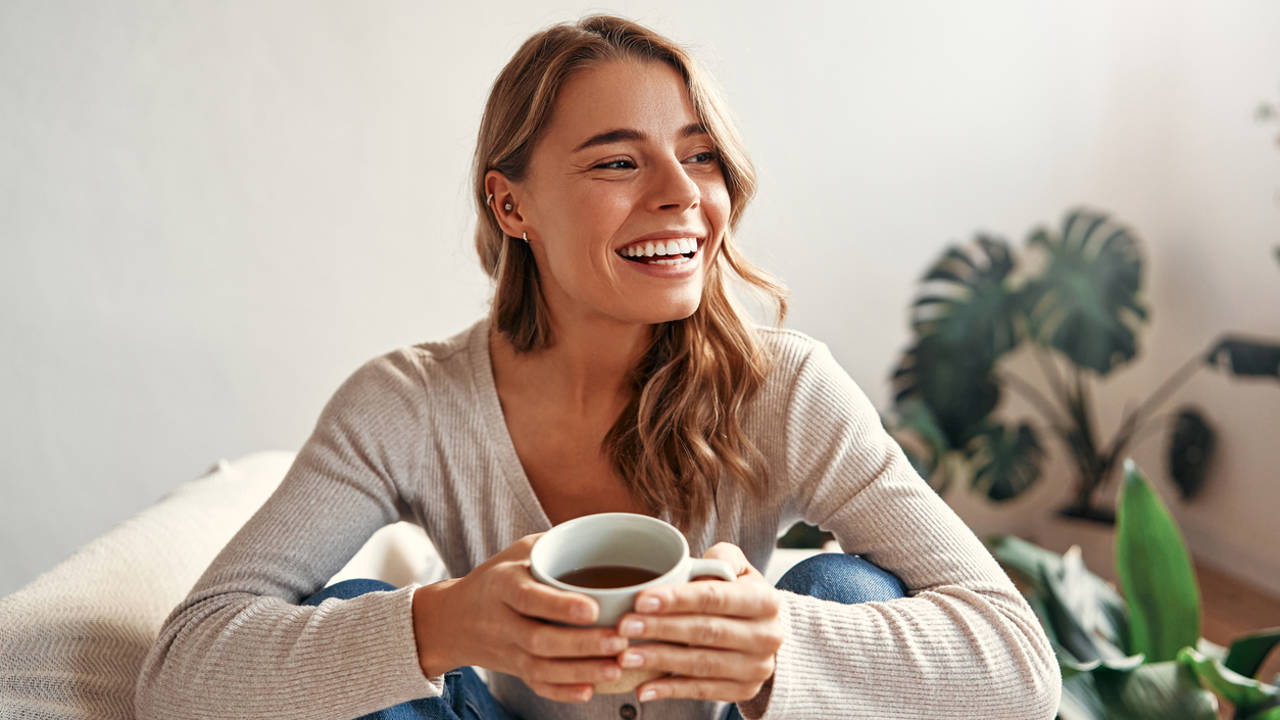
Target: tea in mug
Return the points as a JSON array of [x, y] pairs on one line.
[[607, 576]]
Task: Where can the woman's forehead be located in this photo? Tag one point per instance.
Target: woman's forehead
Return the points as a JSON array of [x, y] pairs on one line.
[[619, 101]]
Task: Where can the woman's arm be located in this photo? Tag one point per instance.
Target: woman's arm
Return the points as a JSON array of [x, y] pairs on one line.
[[239, 645], [963, 644]]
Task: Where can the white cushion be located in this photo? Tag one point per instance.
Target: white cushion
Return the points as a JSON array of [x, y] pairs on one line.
[[73, 640]]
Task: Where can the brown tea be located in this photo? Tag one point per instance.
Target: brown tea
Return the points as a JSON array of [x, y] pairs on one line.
[[607, 576]]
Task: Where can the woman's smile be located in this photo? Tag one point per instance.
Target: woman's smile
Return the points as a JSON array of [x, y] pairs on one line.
[[674, 258]]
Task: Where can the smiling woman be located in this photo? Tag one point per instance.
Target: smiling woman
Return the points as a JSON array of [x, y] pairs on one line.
[[628, 201], [615, 372]]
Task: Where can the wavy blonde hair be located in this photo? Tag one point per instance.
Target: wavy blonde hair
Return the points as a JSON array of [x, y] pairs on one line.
[[681, 429]]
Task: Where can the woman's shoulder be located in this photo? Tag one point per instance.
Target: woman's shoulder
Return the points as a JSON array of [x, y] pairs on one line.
[[408, 370], [800, 364], [786, 348]]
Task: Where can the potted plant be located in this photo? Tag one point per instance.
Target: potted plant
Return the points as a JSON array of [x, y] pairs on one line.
[[1140, 656], [1072, 299]]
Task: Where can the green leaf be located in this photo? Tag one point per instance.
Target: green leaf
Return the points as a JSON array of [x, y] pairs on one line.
[[1085, 302], [1191, 445], [1006, 461], [1245, 356], [1155, 573], [1094, 604], [1159, 691], [1249, 651], [1268, 714], [1244, 692], [964, 320]]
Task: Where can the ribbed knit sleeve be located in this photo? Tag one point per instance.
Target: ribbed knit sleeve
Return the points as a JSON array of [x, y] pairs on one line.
[[239, 645], [963, 644]]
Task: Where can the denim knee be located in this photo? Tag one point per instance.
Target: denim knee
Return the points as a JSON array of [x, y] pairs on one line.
[[347, 589], [842, 578]]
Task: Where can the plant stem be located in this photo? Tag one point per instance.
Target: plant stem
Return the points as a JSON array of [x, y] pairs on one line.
[[1136, 419], [1038, 399], [1169, 385], [1093, 468]]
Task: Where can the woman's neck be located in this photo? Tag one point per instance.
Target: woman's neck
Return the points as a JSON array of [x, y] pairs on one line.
[[585, 370]]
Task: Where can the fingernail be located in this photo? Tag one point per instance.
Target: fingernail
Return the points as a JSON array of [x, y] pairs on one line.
[[648, 695], [615, 645], [582, 612], [647, 604], [611, 672], [632, 659], [632, 627]]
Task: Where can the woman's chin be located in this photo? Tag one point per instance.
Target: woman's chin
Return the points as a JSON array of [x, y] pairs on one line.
[[675, 309]]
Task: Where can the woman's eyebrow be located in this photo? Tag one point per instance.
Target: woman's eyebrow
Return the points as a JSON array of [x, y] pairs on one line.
[[620, 134]]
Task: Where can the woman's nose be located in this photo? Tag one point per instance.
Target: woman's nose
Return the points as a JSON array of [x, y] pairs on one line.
[[673, 188]]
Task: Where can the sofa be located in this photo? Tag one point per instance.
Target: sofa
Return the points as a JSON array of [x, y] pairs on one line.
[[73, 640]]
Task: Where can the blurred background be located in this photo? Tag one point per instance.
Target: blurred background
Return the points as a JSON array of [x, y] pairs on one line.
[[212, 213]]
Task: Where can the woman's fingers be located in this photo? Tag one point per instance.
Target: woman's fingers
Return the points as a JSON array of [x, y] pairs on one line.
[[700, 689], [562, 693], [533, 599], [696, 662], [744, 597], [731, 554], [555, 641], [568, 672], [708, 631]]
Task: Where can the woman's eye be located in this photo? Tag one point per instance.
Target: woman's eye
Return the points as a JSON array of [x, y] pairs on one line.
[[707, 156]]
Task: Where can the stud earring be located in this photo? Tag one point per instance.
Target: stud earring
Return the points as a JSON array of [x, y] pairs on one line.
[[489, 198]]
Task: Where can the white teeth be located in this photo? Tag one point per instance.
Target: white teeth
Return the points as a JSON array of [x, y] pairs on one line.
[[673, 247], [670, 261]]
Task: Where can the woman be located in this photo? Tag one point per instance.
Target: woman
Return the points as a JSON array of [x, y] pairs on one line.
[[614, 373]]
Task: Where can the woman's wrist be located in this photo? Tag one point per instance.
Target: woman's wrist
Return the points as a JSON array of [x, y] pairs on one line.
[[435, 655]]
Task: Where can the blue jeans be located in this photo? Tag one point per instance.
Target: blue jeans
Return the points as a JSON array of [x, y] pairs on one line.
[[838, 577]]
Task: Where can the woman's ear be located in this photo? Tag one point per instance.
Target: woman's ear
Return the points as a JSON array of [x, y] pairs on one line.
[[503, 200]]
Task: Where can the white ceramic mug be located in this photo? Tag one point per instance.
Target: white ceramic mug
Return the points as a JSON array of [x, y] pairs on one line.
[[637, 541]]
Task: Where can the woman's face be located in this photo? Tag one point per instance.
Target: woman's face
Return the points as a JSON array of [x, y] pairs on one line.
[[623, 159]]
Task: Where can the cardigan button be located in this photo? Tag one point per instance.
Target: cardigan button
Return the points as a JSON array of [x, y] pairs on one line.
[[627, 712]]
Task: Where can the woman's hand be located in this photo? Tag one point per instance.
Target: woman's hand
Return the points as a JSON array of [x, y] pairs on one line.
[[495, 617], [732, 628]]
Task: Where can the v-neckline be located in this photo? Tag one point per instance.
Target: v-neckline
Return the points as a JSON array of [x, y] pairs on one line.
[[486, 388]]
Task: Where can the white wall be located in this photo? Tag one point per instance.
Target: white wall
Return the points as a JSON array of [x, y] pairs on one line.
[[211, 213]]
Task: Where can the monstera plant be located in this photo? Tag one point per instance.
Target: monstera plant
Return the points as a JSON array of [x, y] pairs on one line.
[[1073, 299], [1138, 656]]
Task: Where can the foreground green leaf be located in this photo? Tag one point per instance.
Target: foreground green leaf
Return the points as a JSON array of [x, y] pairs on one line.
[[1244, 692], [1248, 651], [1098, 606], [1159, 691], [1155, 573]]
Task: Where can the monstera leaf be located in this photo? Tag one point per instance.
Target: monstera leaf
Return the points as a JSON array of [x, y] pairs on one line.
[[964, 321], [1243, 356], [1190, 449], [968, 303], [958, 389], [1085, 303], [1006, 460]]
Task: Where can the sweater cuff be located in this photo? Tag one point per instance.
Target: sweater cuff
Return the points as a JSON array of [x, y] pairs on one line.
[[419, 685], [772, 699], [389, 645]]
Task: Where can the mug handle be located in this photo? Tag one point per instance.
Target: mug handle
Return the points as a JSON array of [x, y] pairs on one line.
[[700, 567]]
